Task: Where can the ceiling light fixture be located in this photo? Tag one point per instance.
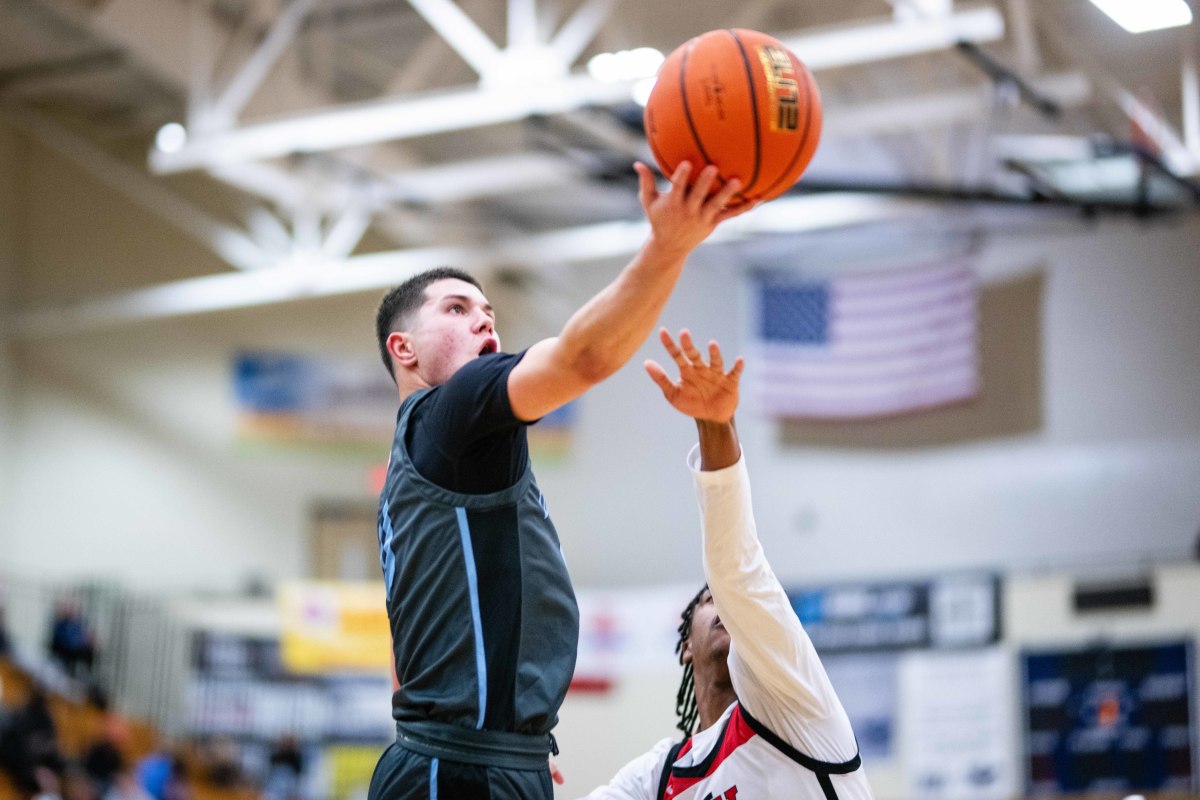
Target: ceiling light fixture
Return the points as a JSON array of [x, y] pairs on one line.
[[170, 138], [1139, 16]]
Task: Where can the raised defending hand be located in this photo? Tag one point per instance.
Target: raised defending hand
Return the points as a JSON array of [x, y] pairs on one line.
[[704, 391], [683, 217]]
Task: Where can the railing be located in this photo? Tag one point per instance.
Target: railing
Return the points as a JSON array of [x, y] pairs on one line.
[[141, 660]]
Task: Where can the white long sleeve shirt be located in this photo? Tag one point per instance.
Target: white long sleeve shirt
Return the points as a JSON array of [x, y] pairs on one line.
[[788, 735]]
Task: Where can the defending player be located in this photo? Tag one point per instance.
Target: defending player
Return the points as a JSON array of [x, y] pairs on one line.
[[771, 725], [483, 616]]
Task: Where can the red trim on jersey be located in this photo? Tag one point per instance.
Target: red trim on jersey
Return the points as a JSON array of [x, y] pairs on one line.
[[737, 733]]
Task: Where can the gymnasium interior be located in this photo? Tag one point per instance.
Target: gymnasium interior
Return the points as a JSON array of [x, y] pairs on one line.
[[995, 549]]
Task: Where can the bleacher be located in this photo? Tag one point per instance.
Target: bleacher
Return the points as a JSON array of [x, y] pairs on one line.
[[79, 723]]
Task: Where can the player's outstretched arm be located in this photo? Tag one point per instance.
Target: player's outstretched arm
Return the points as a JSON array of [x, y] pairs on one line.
[[602, 335], [768, 640]]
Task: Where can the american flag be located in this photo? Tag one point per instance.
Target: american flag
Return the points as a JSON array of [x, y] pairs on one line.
[[866, 345]]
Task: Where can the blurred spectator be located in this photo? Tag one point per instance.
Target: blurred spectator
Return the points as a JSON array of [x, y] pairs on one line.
[[104, 760], [71, 641], [77, 784], [223, 763], [163, 776], [126, 787], [47, 784], [29, 745], [285, 767]]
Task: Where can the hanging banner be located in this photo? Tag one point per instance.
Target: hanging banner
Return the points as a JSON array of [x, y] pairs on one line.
[[299, 399], [334, 627], [952, 611]]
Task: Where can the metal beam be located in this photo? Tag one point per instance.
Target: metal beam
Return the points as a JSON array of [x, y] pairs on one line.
[[382, 121], [234, 247], [346, 233], [522, 23], [944, 108], [844, 45], [460, 32], [466, 180], [580, 29], [381, 270], [243, 86], [472, 107]]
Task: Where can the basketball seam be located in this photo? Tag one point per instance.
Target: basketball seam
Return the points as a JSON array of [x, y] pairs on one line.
[[808, 115], [753, 109], [687, 109]]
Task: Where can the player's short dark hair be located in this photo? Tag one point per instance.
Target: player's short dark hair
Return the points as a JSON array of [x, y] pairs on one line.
[[398, 305], [685, 700]]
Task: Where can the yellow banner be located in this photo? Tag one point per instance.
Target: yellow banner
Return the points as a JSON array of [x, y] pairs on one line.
[[331, 627]]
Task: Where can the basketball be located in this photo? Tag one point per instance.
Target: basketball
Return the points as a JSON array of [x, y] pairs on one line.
[[740, 100]]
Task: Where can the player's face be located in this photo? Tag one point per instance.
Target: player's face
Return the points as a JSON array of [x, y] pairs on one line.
[[708, 643], [455, 325]]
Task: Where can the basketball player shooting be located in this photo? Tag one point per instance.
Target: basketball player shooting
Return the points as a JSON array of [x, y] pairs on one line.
[[483, 616], [771, 725]]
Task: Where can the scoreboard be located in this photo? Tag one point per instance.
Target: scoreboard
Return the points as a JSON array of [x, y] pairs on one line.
[[1110, 718]]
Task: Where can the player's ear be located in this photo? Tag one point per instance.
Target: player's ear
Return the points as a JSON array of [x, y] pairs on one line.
[[399, 347], [685, 655]]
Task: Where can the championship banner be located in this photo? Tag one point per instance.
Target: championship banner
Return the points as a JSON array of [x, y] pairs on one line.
[[330, 627]]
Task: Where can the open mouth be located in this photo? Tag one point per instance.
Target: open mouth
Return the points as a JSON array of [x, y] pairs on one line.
[[489, 346]]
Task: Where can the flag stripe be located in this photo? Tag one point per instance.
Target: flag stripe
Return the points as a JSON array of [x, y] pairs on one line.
[[937, 357]]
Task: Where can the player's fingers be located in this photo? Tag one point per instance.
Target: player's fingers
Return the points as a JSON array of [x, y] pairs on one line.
[[738, 366], [737, 211], [714, 356], [672, 349], [704, 184], [647, 191], [725, 196], [680, 178], [659, 376], [689, 347]]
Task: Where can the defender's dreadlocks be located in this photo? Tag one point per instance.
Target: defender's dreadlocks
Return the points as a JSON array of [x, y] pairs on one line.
[[685, 701]]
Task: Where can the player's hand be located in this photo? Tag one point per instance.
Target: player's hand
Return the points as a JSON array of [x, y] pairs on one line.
[[556, 773], [704, 391], [683, 217]]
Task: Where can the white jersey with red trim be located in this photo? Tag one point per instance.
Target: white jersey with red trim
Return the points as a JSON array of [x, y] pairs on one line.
[[788, 735]]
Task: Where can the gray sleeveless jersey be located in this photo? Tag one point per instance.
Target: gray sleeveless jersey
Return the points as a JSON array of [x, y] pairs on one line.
[[484, 620]]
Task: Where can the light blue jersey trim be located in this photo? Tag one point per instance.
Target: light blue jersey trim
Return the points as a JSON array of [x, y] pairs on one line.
[[433, 779], [464, 533], [387, 556]]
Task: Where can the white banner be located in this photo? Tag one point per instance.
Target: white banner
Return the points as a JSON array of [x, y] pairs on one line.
[[957, 727]]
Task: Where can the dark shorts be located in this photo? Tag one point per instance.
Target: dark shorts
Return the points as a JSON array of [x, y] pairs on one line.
[[404, 775]]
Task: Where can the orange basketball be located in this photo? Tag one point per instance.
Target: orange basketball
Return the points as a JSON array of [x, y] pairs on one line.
[[740, 100]]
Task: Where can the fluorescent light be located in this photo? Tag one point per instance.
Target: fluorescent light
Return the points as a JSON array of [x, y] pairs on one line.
[[625, 65], [171, 137], [1139, 16]]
